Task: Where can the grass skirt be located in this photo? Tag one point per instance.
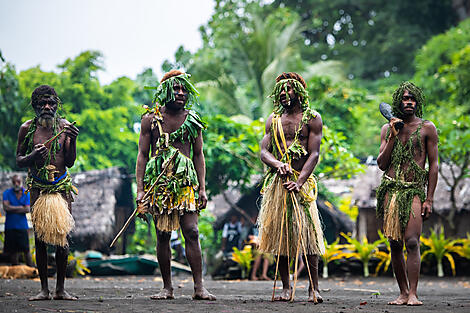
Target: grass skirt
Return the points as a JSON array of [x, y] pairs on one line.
[[167, 218], [271, 218], [52, 220]]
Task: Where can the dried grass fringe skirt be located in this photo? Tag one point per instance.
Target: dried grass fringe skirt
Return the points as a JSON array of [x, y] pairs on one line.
[[270, 220]]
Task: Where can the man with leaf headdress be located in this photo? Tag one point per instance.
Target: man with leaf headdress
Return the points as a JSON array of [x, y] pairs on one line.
[[171, 183], [289, 223], [402, 199], [47, 147]]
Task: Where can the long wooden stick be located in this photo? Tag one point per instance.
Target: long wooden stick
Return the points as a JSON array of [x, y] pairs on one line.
[[279, 250], [58, 134], [297, 210], [142, 200]]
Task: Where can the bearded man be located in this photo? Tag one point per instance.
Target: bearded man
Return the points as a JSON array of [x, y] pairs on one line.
[[47, 147], [402, 199], [289, 223], [174, 177]]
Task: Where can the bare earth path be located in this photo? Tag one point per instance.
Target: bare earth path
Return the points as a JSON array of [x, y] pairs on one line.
[[131, 294]]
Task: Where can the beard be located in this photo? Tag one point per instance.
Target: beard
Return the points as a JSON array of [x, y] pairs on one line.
[[46, 121], [17, 188]]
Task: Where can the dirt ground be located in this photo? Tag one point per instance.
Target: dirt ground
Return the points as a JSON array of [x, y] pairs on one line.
[[131, 294]]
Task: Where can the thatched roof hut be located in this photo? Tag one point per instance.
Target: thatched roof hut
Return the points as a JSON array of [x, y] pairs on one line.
[[103, 204], [231, 203], [364, 198]]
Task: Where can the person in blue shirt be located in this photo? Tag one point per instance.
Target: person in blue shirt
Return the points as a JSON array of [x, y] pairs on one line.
[[16, 204]]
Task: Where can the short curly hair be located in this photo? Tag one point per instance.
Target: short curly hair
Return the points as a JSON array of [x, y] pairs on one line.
[[43, 91]]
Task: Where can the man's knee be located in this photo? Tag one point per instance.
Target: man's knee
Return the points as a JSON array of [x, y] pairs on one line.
[[412, 244], [191, 233]]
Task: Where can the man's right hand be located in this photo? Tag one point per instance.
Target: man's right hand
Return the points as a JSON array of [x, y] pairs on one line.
[[284, 169], [140, 195], [393, 121], [39, 152]]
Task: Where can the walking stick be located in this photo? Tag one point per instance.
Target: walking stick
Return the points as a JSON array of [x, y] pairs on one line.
[[297, 211], [280, 244], [142, 200]]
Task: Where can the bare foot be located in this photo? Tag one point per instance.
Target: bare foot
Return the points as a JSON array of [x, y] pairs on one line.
[[64, 295], [285, 295], [43, 295], [413, 300], [317, 295], [401, 300], [203, 294], [164, 294], [254, 278], [265, 278]]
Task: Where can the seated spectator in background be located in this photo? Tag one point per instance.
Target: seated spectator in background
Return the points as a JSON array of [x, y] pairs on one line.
[[246, 228], [16, 205], [259, 256], [231, 235]]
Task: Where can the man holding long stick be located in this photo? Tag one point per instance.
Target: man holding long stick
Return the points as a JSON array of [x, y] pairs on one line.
[[47, 147], [171, 185], [289, 222]]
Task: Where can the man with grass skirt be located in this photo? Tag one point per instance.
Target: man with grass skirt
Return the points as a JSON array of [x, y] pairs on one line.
[[289, 224], [172, 133], [47, 147], [402, 199]]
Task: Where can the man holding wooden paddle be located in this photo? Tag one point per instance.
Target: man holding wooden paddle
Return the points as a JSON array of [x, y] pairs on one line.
[[170, 175], [47, 147], [289, 223]]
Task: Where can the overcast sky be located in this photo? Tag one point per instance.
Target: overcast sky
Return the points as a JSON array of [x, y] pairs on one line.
[[132, 35]]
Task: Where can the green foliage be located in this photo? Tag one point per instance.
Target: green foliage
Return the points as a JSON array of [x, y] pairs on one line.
[[361, 250], [336, 161], [371, 37], [11, 109], [231, 148], [332, 252], [243, 258], [440, 247], [144, 239]]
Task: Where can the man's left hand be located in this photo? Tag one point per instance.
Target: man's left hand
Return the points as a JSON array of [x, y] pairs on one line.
[[202, 199], [292, 186], [426, 209], [71, 131]]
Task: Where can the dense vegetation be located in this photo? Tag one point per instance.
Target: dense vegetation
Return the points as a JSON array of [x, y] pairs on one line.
[[351, 55]]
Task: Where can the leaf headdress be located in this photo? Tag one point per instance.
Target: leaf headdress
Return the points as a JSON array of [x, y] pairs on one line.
[[298, 89], [166, 94]]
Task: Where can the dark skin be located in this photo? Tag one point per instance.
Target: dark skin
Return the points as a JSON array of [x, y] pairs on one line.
[[174, 114], [19, 209], [407, 273], [65, 157], [310, 139]]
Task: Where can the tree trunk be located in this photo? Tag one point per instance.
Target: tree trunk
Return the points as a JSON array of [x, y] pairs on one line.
[[440, 270], [325, 270], [366, 268]]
